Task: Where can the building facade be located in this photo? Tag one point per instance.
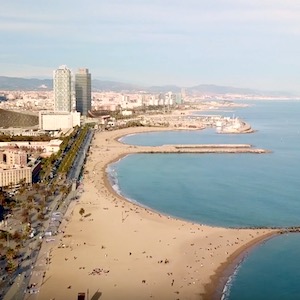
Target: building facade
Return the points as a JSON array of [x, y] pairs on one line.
[[13, 168], [83, 93], [49, 120], [13, 157], [51, 146], [62, 89], [13, 176]]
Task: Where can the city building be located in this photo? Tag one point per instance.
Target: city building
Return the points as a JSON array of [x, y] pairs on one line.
[[179, 98], [83, 93], [62, 89], [12, 157], [13, 168], [51, 121], [13, 176]]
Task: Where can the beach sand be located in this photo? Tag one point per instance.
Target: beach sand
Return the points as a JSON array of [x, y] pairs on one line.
[[124, 251]]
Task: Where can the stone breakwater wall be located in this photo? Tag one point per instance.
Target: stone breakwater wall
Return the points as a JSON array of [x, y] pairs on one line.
[[207, 148], [112, 142]]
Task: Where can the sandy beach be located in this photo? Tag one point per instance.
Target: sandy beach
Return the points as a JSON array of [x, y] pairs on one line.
[[119, 250]]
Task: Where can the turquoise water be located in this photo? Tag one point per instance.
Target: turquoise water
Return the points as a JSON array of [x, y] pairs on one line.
[[223, 190], [270, 272], [233, 190], [230, 190]]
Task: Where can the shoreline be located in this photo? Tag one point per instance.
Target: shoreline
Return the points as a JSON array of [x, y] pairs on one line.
[[138, 253], [214, 289], [226, 269]]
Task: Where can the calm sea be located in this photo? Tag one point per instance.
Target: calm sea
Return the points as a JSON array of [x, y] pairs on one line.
[[230, 190], [270, 272]]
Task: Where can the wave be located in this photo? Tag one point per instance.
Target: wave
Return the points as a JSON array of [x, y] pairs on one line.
[[121, 139], [227, 287], [112, 175]]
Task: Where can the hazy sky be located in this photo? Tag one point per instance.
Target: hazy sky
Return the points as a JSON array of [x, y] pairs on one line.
[[241, 43]]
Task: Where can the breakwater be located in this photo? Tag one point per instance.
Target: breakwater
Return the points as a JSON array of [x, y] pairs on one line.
[[201, 148]]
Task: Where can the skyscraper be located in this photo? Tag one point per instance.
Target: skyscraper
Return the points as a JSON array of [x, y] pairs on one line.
[[62, 89], [83, 91]]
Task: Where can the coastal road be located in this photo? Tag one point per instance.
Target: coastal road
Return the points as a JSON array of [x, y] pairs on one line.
[[76, 167]]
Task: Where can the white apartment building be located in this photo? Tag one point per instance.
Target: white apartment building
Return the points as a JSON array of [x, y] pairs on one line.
[[51, 121], [13, 176]]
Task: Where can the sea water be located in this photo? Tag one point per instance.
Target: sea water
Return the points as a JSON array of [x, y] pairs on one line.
[[231, 190], [270, 272]]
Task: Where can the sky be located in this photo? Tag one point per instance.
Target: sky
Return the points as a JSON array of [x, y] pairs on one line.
[[239, 43]]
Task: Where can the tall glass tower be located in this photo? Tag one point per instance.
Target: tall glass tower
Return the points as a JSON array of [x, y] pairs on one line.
[[83, 91], [62, 89]]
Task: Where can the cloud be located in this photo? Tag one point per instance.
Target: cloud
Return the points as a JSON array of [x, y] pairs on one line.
[[147, 20], [219, 37]]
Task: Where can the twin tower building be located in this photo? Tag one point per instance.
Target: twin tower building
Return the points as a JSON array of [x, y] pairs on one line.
[[64, 116], [62, 85]]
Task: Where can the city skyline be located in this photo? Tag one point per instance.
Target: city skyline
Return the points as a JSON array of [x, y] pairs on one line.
[[222, 42]]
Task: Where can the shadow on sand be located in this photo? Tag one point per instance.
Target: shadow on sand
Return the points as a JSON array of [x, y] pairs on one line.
[[96, 296]]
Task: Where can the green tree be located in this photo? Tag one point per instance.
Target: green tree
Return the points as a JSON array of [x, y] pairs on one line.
[[2, 198], [11, 265], [10, 254]]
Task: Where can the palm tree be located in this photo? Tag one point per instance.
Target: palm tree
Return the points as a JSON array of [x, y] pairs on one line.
[[41, 216], [1, 249], [2, 198], [18, 247], [10, 186], [17, 236], [10, 254], [11, 265], [25, 215], [29, 200], [6, 235], [36, 186], [22, 183]]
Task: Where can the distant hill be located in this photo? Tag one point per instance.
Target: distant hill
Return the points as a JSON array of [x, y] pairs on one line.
[[105, 85], [33, 84], [15, 119], [164, 89], [221, 90], [24, 84], [13, 84], [217, 89]]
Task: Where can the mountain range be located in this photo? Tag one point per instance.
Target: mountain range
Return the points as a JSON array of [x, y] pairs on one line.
[[25, 84]]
